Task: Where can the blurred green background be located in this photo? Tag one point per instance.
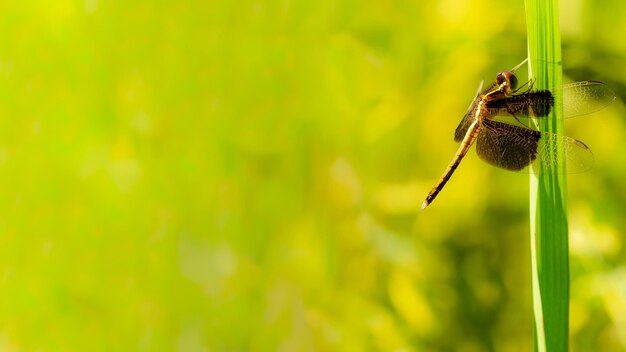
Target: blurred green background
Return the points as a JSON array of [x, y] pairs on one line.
[[246, 176]]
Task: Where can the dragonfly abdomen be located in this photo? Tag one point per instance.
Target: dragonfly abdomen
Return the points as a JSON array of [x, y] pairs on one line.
[[467, 142]]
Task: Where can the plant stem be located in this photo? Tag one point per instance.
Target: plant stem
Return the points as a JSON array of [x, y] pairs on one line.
[[548, 197]]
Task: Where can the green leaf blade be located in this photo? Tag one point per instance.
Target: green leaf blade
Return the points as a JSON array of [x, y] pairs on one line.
[[548, 198]]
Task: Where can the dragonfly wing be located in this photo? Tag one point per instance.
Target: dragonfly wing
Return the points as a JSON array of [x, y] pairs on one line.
[[577, 156], [463, 126], [514, 148], [467, 119], [538, 104], [582, 98], [507, 146]]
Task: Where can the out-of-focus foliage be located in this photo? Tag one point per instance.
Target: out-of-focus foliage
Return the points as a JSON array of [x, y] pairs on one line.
[[240, 175]]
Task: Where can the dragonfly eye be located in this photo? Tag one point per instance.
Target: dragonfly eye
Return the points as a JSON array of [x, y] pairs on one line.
[[508, 80]]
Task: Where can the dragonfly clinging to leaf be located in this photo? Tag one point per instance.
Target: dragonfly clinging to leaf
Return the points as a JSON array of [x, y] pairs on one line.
[[517, 147]]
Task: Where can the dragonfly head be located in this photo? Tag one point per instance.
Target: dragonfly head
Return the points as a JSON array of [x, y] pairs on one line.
[[507, 81]]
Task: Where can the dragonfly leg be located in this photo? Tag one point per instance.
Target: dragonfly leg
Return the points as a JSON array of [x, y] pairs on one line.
[[530, 83]]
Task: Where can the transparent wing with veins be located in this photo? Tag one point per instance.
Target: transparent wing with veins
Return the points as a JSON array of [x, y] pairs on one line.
[[580, 98]]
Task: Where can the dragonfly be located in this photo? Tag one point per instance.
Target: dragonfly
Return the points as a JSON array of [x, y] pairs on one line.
[[516, 147]]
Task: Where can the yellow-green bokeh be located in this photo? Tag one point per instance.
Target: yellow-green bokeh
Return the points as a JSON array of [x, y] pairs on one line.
[[233, 176]]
